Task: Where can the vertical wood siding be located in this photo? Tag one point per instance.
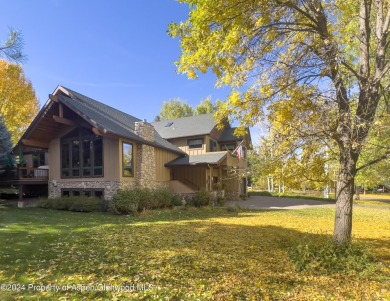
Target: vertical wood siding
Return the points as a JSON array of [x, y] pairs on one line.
[[162, 157]]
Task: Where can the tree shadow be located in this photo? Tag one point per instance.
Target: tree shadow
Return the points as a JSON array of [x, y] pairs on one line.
[[49, 246]]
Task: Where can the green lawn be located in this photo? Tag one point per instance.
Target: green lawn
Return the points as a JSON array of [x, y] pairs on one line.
[[194, 254]]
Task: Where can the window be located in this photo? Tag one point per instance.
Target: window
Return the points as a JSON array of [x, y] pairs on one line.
[[213, 145], [127, 160], [81, 154], [195, 143], [82, 192], [38, 159]]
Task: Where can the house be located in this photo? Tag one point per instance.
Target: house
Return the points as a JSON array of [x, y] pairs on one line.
[[215, 160], [79, 146]]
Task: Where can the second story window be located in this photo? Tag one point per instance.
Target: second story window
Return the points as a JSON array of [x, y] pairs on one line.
[[195, 143], [213, 145]]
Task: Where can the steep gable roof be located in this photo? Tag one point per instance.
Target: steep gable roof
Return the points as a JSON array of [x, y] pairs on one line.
[[186, 127], [101, 116], [111, 120]]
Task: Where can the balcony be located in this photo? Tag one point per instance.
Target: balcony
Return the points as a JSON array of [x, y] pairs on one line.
[[25, 175]]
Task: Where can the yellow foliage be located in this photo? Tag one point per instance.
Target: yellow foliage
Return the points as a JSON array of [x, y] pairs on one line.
[[18, 102], [200, 254]]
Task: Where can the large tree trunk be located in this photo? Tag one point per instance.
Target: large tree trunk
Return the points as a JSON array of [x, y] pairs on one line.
[[344, 201]]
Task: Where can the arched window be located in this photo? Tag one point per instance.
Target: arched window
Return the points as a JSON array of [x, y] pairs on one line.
[[81, 154]]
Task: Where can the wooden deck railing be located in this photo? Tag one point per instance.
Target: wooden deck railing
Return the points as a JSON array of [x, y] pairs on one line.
[[25, 174]]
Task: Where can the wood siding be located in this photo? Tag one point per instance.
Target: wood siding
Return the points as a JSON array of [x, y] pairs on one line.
[[162, 157], [182, 143], [193, 174]]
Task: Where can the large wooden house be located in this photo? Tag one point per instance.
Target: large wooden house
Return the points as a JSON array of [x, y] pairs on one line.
[[79, 146]]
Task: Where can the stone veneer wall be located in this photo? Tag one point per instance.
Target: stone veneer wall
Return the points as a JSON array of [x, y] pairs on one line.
[[109, 187], [146, 166], [146, 158]]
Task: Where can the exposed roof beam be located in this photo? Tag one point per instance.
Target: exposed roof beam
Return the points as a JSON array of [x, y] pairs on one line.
[[35, 143], [64, 120], [53, 97], [97, 132]]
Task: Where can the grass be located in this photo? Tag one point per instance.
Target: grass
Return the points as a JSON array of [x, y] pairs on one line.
[[194, 254]]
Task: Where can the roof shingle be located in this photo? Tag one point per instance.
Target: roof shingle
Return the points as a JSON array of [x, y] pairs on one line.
[[111, 120]]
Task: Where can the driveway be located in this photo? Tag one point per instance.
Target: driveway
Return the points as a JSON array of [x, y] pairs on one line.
[[267, 203]]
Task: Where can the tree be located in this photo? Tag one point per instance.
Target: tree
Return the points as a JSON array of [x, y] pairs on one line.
[[177, 108], [18, 102], [173, 109], [12, 49], [5, 144], [323, 66], [207, 107]]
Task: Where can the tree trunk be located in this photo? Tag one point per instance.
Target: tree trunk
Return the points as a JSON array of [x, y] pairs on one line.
[[344, 200]]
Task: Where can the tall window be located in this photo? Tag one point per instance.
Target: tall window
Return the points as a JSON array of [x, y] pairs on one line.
[[81, 154], [127, 160]]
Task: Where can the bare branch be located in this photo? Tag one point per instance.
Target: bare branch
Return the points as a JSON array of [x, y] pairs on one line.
[[13, 47]]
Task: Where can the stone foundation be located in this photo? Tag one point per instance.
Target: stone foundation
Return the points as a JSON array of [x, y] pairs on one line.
[[109, 187]]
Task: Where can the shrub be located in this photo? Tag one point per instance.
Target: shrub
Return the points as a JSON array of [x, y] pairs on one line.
[[63, 203], [74, 203], [45, 203], [125, 201], [86, 204], [162, 198], [325, 257], [202, 198], [134, 200], [176, 200], [221, 202]]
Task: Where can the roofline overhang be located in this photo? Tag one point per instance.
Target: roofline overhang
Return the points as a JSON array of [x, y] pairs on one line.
[[198, 163]]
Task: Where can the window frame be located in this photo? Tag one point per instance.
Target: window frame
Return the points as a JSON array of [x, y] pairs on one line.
[[195, 146], [132, 160], [79, 192], [67, 143], [213, 145]]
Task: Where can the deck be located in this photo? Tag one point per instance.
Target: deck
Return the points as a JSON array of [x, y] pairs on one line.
[[24, 175]]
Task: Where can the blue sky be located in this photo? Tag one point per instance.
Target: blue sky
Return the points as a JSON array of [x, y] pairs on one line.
[[117, 52]]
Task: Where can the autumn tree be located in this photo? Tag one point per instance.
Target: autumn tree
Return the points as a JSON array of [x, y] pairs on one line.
[[18, 102], [177, 108], [12, 48], [5, 143], [322, 66], [173, 109]]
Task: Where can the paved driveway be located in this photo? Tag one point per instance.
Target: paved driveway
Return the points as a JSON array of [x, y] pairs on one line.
[[266, 202]]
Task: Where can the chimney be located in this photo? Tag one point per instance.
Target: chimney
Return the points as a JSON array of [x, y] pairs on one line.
[[144, 130]]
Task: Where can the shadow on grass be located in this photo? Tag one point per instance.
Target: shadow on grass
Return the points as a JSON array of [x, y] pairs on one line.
[[185, 250]]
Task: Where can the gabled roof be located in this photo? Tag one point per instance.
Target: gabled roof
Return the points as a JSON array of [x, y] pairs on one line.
[[111, 120], [228, 136], [103, 117], [186, 127], [208, 158]]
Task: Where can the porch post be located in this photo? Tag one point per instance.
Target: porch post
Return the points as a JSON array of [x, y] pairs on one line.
[[211, 178], [20, 192]]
